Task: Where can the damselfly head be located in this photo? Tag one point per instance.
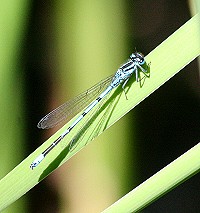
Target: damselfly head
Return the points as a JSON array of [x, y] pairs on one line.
[[137, 57]]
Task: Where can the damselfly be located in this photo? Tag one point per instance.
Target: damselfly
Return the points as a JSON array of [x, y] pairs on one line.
[[135, 63]]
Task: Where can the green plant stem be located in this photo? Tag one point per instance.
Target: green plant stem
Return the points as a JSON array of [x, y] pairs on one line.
[[159, 184]]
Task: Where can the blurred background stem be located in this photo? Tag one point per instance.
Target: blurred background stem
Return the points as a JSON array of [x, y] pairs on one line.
[[13, 21]]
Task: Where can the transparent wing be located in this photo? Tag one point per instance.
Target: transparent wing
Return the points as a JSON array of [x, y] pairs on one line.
[[72, 107]]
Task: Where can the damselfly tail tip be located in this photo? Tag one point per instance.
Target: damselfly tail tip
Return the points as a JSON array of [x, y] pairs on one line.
[[37, 161]]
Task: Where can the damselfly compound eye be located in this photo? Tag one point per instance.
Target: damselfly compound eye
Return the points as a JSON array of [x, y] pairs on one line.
[[137, 57]]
